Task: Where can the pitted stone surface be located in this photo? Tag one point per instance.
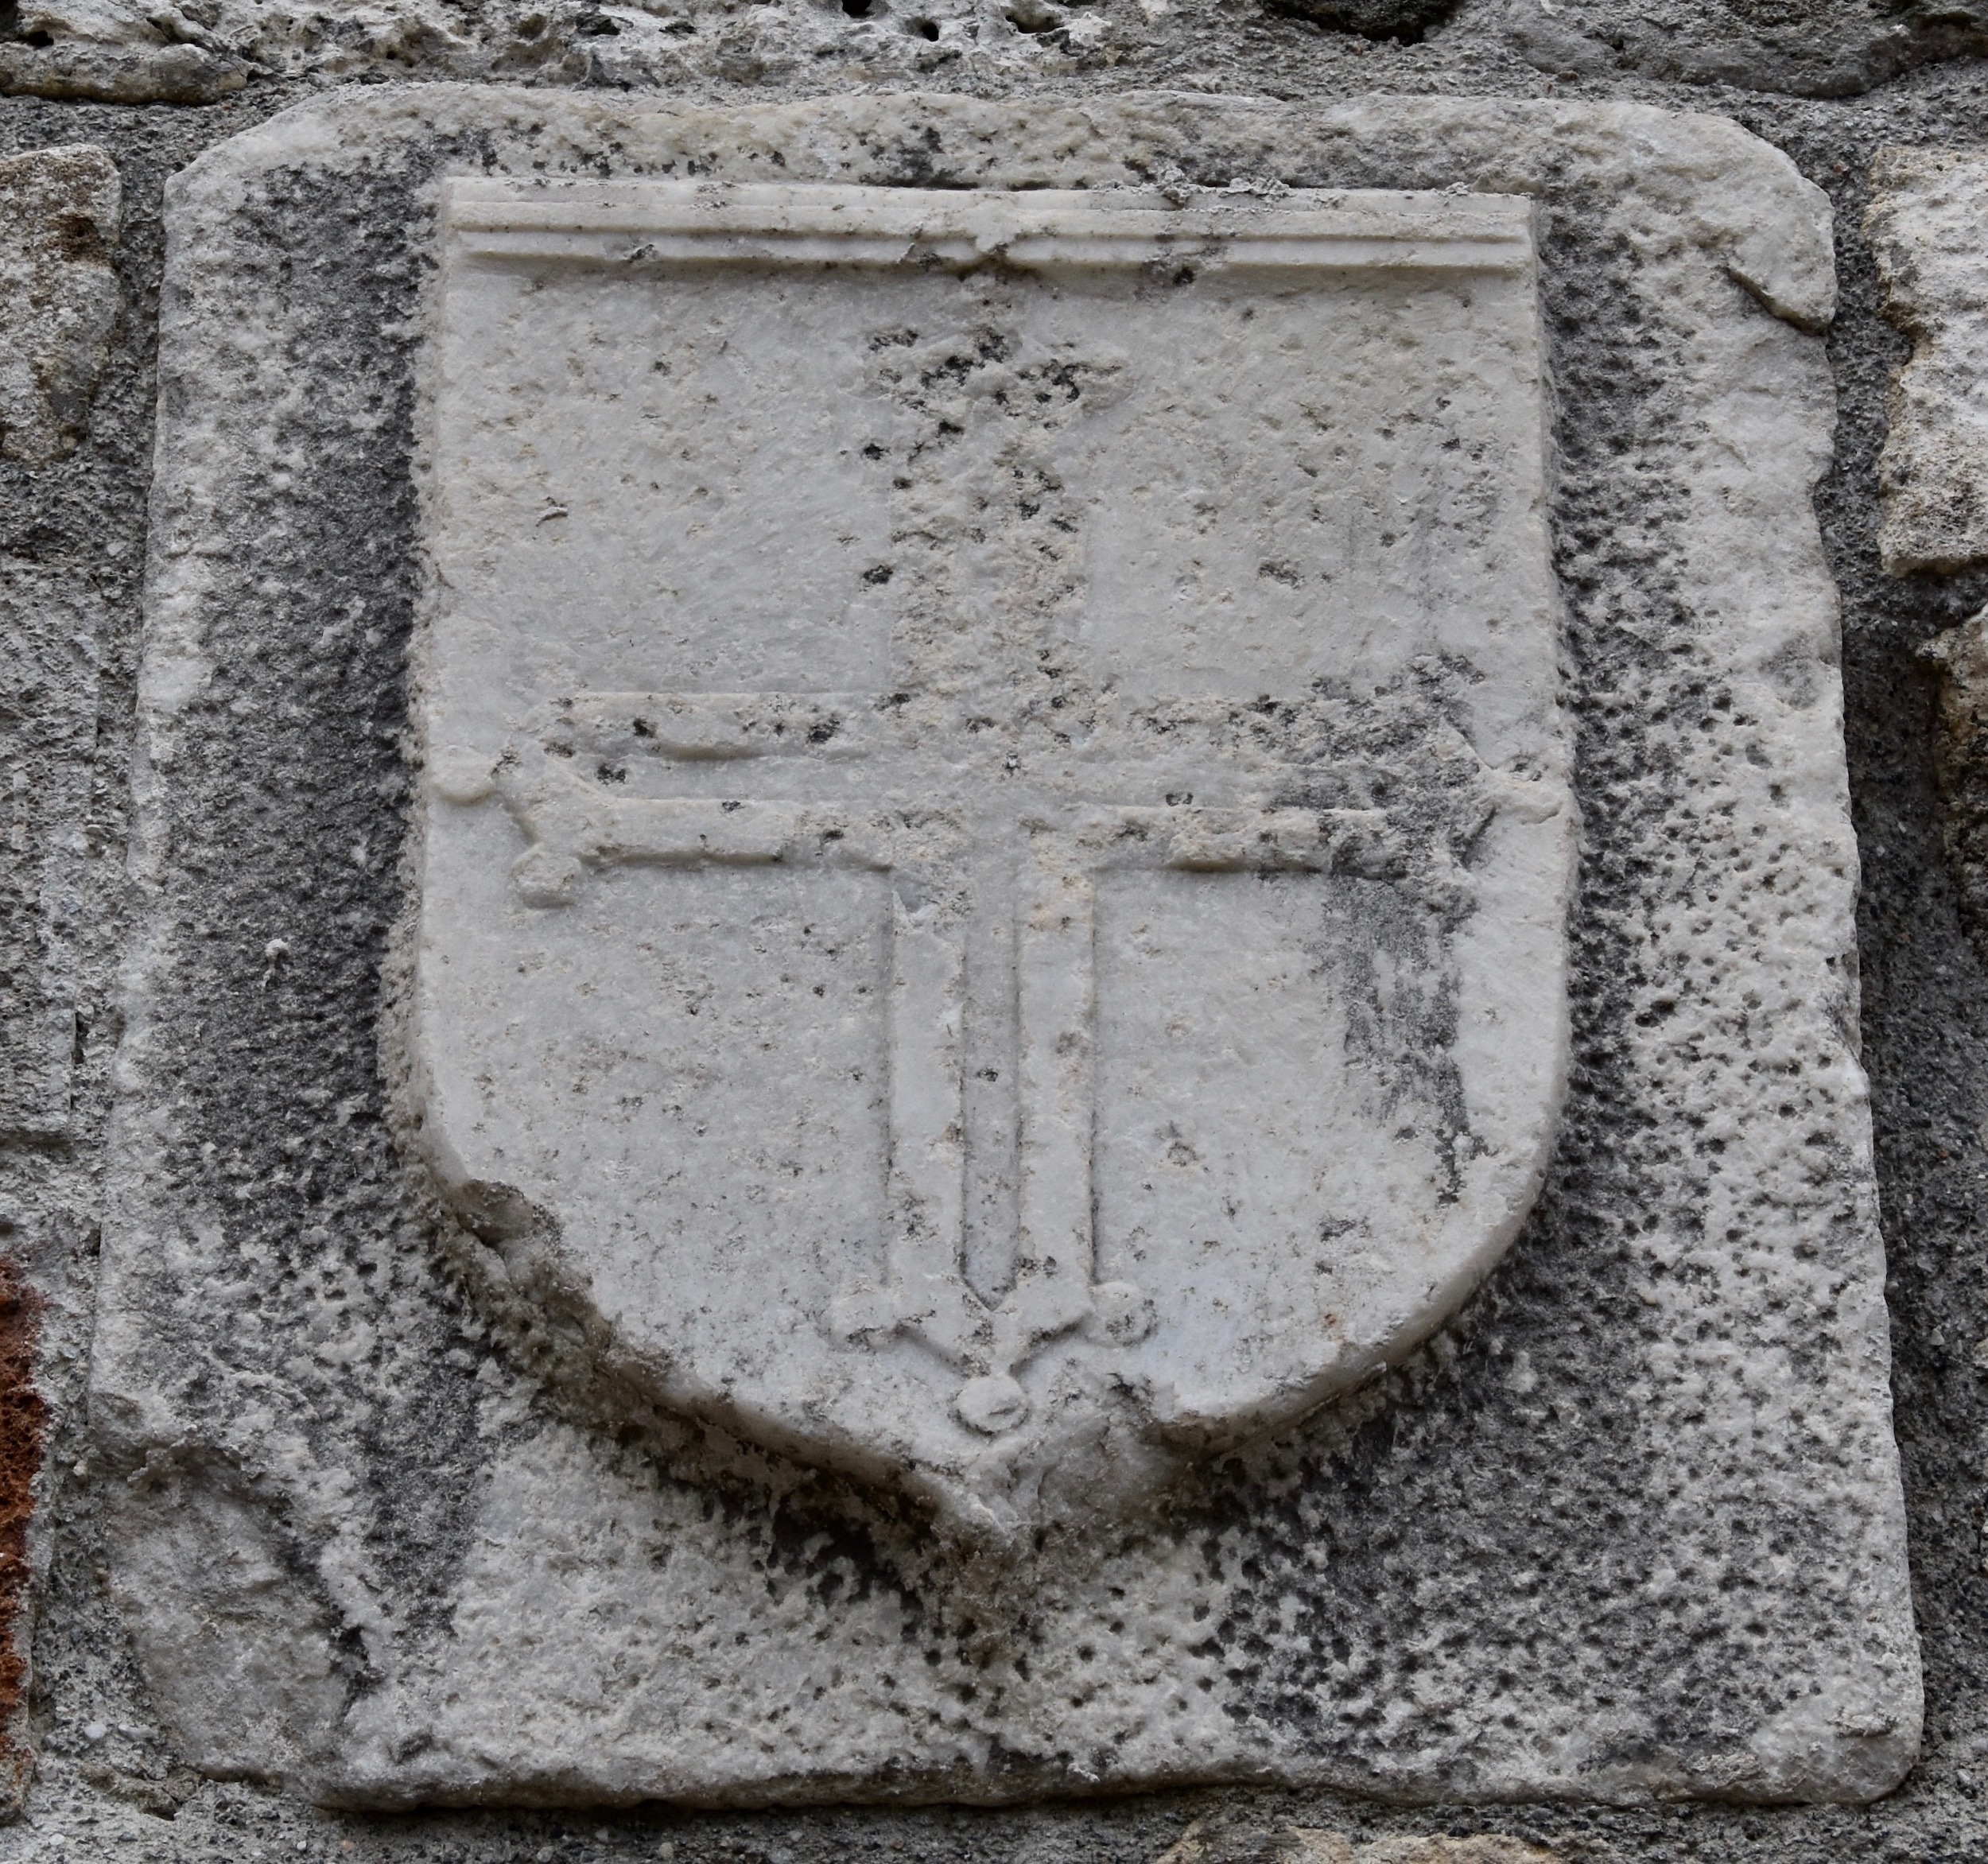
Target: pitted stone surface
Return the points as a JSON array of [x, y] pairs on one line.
[[134, 51], [1333, 1847], [1928, 225], [48, 668], [58, 299], [469, 1553]]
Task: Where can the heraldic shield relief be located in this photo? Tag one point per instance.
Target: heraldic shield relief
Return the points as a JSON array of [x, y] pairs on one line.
[[996, 829]]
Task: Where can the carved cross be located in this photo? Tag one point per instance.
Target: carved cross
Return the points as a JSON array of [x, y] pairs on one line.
[[935, 811]]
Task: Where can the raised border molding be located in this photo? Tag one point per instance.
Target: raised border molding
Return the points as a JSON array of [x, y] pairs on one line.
[[621, 223]]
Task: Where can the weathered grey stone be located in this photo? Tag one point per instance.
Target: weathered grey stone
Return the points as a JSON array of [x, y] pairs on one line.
[[369, 1549], [1928, 225], [48, 663], [58, 298], [1335, 1847], [1300, 1844], [58, 294], [133, 50], [126, 50], [97, 74], [1812, 48], [1960, 762]]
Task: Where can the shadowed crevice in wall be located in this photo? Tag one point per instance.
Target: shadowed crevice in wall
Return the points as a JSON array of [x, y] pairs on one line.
[[1405, 21]]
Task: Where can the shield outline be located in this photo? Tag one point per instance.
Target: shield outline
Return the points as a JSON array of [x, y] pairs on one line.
[[1512, 946]]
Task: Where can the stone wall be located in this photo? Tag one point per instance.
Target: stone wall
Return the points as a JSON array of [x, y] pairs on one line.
[[1832, 83]]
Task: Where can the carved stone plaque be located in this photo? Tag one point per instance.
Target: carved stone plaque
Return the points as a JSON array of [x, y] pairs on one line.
[[997, 837], [858, 823]]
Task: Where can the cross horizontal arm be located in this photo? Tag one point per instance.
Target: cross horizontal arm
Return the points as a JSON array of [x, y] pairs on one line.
[[572, 824], [1230, 841]]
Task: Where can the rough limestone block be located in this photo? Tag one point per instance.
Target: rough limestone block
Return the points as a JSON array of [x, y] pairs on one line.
[[58, 299], [1333, 1847], [85, 71], [860, 928], [1928, 225], [1817, 48], [1960, 760], [58, 294], [48, 666], [140, 50]]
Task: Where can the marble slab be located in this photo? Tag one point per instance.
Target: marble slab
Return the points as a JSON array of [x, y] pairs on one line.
[[999, 950]]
